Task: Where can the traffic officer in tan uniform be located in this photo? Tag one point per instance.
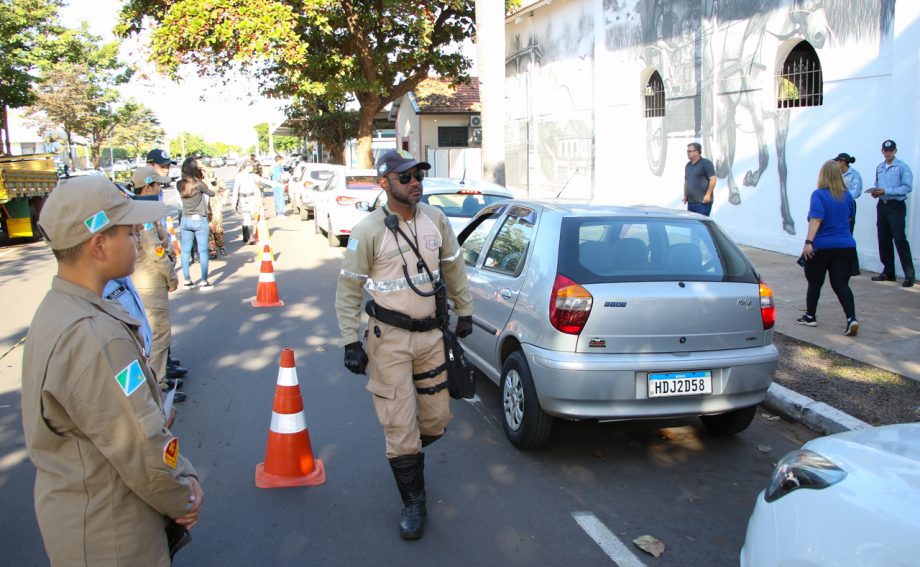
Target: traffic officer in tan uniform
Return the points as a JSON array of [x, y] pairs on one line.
[[154, 277], [399, 254], [110, 475]]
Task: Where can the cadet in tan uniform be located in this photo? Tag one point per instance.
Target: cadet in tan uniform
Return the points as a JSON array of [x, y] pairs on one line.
[[109, 472], [405, 343], [155, 276]]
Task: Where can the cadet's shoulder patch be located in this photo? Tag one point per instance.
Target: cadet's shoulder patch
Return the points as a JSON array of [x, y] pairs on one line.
[[171, 453], [131, 378], [159, 251], [353, 244]]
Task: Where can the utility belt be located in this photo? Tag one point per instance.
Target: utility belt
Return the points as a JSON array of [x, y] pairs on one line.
[[402, 321]]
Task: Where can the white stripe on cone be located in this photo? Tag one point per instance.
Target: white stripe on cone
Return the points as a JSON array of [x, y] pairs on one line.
[[287, 377], [288, 422], [267, 256], [266, 277]]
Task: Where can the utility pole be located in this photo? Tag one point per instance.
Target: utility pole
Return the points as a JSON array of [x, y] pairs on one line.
[[490, 41]]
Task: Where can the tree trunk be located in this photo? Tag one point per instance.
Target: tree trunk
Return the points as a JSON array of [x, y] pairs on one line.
[[5, 128], [366, 115], [69, 148]]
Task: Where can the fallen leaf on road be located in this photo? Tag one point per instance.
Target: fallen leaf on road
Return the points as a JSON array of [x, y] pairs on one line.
[[764, 448], [650, 545], [769, 417]]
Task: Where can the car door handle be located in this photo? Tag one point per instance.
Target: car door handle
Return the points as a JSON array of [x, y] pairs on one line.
[[506, 293]]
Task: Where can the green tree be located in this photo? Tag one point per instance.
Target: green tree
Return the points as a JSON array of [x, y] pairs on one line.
[[137, 127], [327, 123], [370, 51], [26, 27], [281, 144], [194, 145]]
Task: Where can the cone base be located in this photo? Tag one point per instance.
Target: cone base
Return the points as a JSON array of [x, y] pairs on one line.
[[257, 303], [267, 480]]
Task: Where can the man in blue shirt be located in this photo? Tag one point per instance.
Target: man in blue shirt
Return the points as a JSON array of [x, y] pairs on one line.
[[893, 182], [277, 176]]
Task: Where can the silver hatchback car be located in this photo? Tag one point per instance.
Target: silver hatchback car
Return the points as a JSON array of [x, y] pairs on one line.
[[614, 313]]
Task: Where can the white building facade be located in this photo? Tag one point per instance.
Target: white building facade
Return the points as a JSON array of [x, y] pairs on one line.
[[603, 96]]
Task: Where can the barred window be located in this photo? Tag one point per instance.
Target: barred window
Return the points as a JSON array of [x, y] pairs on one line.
[[654, 96], [453, 136], [800, 83]]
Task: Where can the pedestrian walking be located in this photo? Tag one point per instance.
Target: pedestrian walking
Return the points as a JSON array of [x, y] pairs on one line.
[[829, 246], [893, 182], [853, 180], [247, 200], [216, 213], [405, 345], [278, 176], [109, 473], [699, 181], [193, 228]]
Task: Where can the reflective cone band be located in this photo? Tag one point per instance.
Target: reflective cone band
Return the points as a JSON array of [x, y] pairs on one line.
[[289, 456], [172, 235], [262, 235], [267, 290]]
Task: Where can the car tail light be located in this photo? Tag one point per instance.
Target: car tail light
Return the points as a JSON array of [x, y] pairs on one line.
[[469, 192], [569, 306], [342, 200], [767, 308]]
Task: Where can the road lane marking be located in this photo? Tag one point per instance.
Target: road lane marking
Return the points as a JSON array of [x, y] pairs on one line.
[[612, 546]]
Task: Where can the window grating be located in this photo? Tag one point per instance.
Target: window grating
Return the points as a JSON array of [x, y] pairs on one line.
[[654, 96], [453, 136], [801, 82]]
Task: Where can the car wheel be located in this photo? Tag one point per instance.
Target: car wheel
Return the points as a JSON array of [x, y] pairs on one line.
[[334, 241], [304, 213], [526, 424], [729, 423]]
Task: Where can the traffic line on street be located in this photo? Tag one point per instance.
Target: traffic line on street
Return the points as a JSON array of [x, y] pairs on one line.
[[612, 546]]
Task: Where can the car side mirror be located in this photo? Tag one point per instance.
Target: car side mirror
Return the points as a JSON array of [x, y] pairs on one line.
[[364, 206]]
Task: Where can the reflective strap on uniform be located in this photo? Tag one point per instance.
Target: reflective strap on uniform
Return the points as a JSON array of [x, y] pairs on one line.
[[287, 377], [266, 277], [288, 423], [454, 256], [353, 275], [401, 283]]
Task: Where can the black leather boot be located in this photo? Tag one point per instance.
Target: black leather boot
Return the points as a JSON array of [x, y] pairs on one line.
[[245, 234], [409, 472], [429, 439]]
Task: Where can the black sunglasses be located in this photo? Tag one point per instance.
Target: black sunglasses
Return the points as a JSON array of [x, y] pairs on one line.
[[406, 176]]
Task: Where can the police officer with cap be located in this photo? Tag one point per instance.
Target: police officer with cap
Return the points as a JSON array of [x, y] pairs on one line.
[[401, 254], [110, 475], [893, 182]]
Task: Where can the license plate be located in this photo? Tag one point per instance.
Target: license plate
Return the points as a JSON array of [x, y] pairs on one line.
[[667, 384]]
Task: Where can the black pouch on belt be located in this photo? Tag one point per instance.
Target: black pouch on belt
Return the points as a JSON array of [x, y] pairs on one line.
[[178, 537], [461, 375]]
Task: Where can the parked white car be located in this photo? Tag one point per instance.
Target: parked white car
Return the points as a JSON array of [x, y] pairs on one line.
[[847, 499], [334, 208], [305, 180]]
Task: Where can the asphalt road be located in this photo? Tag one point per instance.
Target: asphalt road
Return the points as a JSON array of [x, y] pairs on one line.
[[489, 503]]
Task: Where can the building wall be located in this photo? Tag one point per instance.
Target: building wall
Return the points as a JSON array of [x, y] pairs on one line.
[[576, 70]]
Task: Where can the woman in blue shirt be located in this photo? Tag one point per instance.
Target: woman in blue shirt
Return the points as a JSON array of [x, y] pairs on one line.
[[830, 247], [853, 180]]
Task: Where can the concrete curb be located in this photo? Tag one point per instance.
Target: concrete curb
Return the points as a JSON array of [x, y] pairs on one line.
[[817, 416]]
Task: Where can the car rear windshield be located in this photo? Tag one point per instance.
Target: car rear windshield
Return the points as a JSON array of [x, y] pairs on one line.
[[604, 249], [462, 205], [361, 182]]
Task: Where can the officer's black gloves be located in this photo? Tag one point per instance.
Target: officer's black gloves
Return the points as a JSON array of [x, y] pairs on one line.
[[355, 358], [464, 326]]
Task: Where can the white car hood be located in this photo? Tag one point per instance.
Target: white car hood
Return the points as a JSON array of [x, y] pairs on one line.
[[891, 451]]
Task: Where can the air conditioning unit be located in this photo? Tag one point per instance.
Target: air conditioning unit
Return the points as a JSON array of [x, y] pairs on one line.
[[476, 121], [475, 136]]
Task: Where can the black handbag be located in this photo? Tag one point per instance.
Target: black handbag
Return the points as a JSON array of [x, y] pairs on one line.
[[461, 375]]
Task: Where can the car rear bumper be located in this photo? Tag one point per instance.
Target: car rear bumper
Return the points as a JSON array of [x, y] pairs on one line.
[[615, 386]]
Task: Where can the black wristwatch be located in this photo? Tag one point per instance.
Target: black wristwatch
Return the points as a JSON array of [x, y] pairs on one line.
[[809, 242]]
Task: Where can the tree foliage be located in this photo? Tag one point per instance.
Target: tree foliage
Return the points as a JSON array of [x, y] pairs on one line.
[[369, 51], [280, 144], [137, 127]]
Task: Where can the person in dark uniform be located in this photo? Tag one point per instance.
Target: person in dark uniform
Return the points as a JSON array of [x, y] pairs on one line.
[[893, 182]]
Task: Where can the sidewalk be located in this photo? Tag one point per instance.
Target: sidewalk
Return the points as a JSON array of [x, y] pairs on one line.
[[889, 332]]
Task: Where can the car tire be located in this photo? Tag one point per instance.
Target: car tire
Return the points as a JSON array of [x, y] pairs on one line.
[[333, 240], [526, 425], [304, 213], [729, 423]]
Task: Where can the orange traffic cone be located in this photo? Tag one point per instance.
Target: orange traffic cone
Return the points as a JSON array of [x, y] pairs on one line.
[[172, 235], [262, 234], [267, 290], [289, 456]]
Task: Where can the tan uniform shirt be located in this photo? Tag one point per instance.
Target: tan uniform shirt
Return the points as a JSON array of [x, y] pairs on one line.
[[375, 262], [154, 270], [109, 472]]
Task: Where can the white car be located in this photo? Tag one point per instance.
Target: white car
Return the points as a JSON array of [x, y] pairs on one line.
[[847, 499], [459, 199], [334, 211], [304, 182]]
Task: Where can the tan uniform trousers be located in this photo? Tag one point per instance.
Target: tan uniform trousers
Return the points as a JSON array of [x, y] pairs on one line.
[[404, 414], [160, 326]]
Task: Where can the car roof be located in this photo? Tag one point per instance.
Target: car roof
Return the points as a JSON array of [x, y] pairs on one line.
[[352, 172], [593, 209]]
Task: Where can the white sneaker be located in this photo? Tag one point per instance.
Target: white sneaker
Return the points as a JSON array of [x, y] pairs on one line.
[[852, 328], [205, 285], [188, 284]]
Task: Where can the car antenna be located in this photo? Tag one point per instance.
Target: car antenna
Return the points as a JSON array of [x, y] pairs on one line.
[[463, 179], [577, 169]]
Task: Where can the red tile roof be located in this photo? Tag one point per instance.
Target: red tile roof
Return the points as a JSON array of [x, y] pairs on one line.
[[436, 96]]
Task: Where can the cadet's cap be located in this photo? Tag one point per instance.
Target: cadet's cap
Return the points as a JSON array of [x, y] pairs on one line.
[[845, 157], [144, 176], [80, 207], [889, 145], [159, 157], [397, 161]]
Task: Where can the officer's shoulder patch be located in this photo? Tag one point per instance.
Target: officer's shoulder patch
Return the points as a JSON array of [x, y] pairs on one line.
[[130, 378], [159, 251], [171, 453], [353, 244]]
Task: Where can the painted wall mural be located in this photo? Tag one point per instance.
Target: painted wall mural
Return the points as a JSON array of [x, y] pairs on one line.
[[719, 78]]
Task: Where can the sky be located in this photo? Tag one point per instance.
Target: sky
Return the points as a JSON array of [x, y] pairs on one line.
[[218, 113]]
